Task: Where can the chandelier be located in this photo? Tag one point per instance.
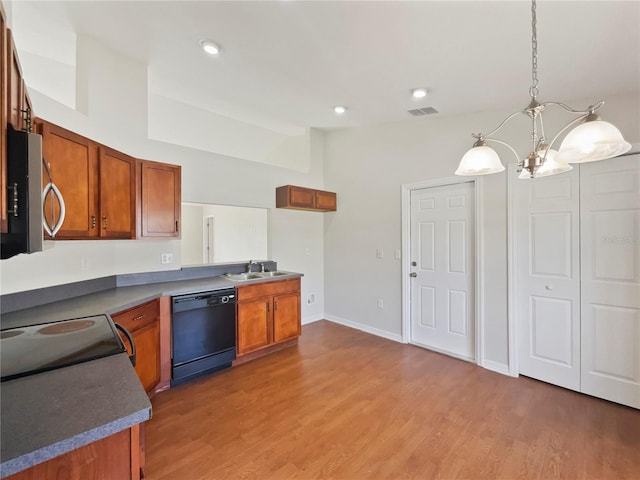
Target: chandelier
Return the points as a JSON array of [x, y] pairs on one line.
[[592, 139]]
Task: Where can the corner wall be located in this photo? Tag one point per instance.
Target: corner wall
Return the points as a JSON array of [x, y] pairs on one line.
[[368, 166]]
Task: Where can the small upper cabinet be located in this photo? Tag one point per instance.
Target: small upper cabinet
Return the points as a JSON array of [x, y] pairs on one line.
[[160, 202], [301, 198]]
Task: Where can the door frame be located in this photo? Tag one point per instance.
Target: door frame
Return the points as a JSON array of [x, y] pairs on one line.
[[479, 250], [512, 284]]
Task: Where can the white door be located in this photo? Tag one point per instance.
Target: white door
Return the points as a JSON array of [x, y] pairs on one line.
[[547, 272], [442, 249], [610, 223]]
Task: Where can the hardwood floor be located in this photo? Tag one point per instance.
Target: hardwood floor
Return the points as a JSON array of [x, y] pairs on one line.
[[344, 404]]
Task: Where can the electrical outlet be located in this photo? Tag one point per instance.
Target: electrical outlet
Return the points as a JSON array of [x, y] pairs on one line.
[[311, 298], [84, 264], [398, 255], [380, 304], [379, 253], [166, 258]]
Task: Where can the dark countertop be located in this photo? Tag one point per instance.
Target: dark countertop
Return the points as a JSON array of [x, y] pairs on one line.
[[120, 298], [51, 413]]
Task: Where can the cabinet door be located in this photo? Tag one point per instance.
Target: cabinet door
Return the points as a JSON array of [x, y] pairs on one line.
[[15, 86], [73, 164], [4, 102], [301, 197], [147, 340], [117, 194], [254, 322], [160, 200], [110, 458], [326, 201], [286, 316]]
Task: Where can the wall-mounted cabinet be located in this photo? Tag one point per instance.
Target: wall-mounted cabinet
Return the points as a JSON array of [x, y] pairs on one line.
[[98, 185], [160, 197], [4, 35], [15, 106], [107, 193], [301, 198]]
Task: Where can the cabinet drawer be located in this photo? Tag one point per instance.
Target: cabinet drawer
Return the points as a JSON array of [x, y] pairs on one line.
[[139, 316], [268, 288]]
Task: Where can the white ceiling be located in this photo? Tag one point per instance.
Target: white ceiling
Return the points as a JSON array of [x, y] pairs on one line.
[[289, 62]]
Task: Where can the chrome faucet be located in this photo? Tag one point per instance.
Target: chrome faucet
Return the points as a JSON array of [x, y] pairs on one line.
[[251, 262]]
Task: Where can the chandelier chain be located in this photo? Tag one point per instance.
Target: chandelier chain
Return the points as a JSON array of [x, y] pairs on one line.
[[533, 91]]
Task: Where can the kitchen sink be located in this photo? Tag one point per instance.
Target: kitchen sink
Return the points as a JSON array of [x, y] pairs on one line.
[[270, 274], [240, 277]]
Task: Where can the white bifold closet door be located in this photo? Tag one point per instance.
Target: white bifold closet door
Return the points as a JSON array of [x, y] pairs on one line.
[[610, 251], [577, 272]]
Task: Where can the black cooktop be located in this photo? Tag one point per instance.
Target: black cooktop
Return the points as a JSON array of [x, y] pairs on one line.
[[46, 346]]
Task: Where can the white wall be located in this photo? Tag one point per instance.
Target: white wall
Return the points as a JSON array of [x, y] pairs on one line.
[[111, 108], [367, 167]]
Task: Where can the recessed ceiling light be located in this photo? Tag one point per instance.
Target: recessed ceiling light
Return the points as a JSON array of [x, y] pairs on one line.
[[419, 92], [339, 109], [209, 47]]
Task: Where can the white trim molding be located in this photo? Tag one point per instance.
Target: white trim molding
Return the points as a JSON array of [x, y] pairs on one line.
[[365, 328], [497, 367], [314, 318], [512, 333], [479, 257]]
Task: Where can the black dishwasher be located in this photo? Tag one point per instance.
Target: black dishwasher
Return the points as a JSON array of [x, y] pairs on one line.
[[203, 333]]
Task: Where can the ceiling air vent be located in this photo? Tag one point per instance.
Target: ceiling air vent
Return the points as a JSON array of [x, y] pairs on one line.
[[418, 112]]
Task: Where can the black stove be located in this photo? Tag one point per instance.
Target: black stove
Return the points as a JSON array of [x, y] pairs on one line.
[[46, 346]]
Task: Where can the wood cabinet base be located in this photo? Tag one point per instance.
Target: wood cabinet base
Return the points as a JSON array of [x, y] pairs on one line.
[[117, 457], [265, 351]]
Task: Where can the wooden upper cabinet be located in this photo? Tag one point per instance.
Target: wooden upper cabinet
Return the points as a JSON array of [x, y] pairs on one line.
[[301, 198], [98, 186], [73, 163], [4, 102], [160, 199], [117, 194]]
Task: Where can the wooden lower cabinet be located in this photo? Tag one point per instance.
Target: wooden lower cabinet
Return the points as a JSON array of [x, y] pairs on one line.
[[143, 322], [286, 316], [117, 457], [267, 314]]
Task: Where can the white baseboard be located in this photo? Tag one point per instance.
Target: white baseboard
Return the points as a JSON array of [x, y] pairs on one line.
[[365, 328], [315, 318], [496, 367]]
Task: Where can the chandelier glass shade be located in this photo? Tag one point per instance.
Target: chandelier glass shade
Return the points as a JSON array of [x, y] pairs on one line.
[[590, 140]]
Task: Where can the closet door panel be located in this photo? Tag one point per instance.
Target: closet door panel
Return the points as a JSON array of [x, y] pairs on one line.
[[610, 283], [548, 278]]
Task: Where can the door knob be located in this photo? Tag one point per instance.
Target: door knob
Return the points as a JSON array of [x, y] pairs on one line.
[[413, 274], [549, 287]]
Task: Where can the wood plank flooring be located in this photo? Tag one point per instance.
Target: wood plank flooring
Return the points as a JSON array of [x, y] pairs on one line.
[[344, 404]]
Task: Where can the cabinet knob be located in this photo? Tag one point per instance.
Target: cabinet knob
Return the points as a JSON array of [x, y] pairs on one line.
[[104, 222], [93, 221]]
